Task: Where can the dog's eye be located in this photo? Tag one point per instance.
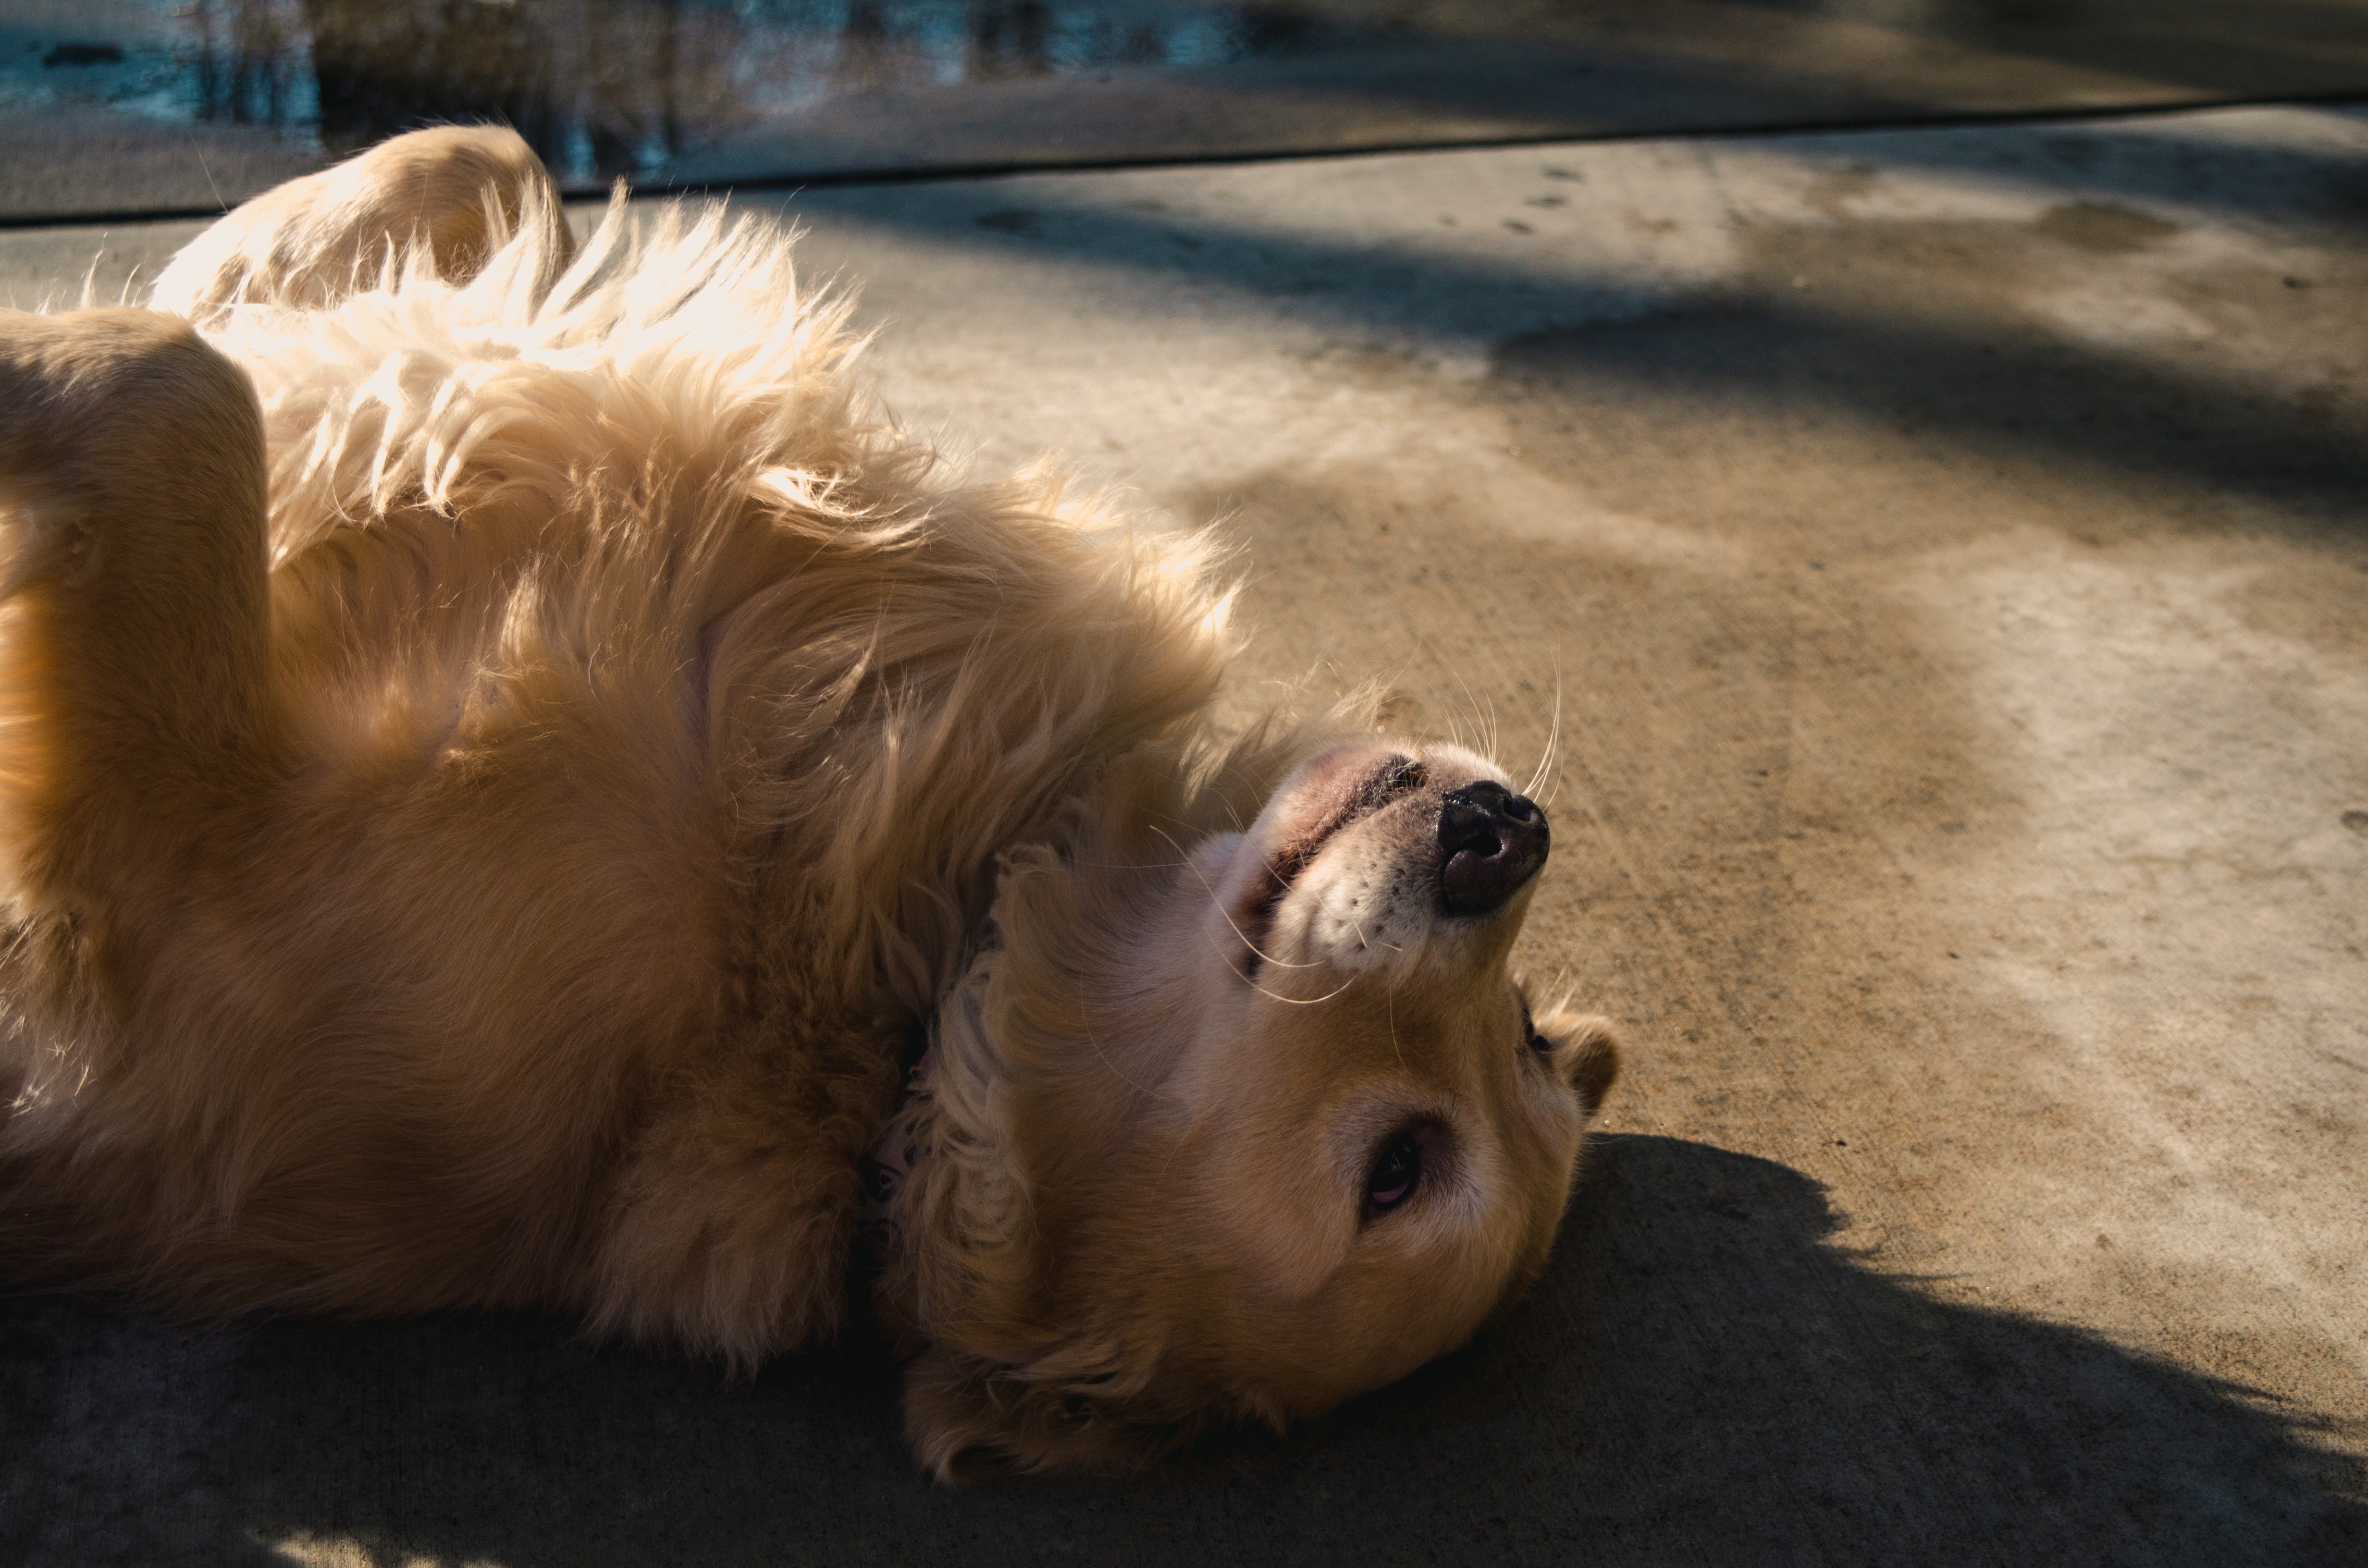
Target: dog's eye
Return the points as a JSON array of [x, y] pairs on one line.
[[1538, 1042], [1395, 1174]]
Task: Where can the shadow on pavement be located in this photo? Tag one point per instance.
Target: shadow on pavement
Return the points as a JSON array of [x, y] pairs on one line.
[[1949, 324], [2166, 160], [1704, 1375], [1980, 385]]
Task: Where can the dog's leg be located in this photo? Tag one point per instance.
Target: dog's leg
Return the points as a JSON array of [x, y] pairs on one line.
[[736, 1208], [457, 191], [134, 661]]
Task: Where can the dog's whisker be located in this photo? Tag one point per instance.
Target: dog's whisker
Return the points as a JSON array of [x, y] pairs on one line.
[[1483, 728], [1104, 1056], [1303, 1001], [1554, 739]]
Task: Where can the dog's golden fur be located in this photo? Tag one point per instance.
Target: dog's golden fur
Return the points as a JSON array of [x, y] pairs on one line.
[[501, 746]]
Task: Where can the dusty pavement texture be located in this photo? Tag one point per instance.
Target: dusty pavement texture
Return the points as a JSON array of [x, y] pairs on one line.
[[1937, 562]]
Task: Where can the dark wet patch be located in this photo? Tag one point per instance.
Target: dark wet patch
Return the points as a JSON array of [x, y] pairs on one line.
[[1009, 221], [83, 54], [2074, 150], [2104, 228]]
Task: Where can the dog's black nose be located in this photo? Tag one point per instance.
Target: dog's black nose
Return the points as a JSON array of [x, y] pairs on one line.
[[1494, 840]]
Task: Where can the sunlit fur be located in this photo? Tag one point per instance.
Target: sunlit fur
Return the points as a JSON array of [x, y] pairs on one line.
[[501, 745]]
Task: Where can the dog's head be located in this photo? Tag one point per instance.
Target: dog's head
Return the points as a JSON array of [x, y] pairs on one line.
[[1232, 1125]]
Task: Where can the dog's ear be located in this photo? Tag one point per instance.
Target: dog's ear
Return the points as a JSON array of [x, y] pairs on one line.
[[967, 1418], [1586, 1052]]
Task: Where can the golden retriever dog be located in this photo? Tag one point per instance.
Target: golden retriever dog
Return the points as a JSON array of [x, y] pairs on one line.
[[520, 787]]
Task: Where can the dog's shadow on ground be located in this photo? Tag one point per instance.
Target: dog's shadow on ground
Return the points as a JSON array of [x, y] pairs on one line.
[[1704, 1374]]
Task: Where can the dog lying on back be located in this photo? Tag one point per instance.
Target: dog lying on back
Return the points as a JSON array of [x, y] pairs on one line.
[[505, 757]]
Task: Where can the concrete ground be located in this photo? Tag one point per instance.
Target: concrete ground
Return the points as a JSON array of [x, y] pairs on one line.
[[1942, 555]]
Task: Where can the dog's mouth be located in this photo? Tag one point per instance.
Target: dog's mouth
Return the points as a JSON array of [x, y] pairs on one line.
[[1393, 777]]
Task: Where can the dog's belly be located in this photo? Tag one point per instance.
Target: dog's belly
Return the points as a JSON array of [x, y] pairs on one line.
[[383, 1048]]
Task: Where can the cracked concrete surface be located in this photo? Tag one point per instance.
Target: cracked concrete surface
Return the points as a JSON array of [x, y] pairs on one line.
[[1938, 559]]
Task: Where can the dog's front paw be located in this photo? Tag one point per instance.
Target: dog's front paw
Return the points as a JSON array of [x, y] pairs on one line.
[[446, 197]]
